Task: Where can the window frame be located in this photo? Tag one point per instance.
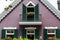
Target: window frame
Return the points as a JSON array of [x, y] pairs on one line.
[[30, 7], [52, 32], [9, 33]]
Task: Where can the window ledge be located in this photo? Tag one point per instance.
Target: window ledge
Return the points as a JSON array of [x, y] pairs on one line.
[[9, 33], [51, 33], [30, 23]]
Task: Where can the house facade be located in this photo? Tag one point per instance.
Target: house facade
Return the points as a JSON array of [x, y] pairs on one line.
[[30, 19]]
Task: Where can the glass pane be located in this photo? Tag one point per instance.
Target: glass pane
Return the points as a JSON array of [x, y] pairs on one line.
[[51, 37], [30, 37], [51, 31], [30, 14], [10, 31], [30, 31], [11, 36]]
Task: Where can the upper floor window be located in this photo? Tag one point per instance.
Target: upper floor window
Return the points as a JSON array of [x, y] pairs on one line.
[[30, 12]]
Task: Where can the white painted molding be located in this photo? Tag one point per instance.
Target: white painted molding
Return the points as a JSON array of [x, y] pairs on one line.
[[51, 27], [30, 23], [30, 28], [52, 8], [9, 28], [29, 3]]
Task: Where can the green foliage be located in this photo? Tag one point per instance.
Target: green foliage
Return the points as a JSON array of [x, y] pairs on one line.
[[8, 38], [15, 39], [6, 8], [35, 39], [58, 38], [25, 39], [10, 6]]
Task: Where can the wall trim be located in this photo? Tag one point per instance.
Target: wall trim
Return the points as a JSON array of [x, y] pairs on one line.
[[9, 28], [29, 3], [51, 27]]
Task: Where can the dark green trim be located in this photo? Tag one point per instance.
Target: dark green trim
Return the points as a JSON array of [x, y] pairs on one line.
[[24, 16], [37, 33], [16, 33], [45, 36], [3, 33], [37, 12], [58, 33], [23, 33]]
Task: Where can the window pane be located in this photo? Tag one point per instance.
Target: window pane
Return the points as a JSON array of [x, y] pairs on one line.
[[10, 31], [51, 31], [30, 31]]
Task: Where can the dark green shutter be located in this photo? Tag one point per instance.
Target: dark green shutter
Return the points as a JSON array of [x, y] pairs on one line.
[[37, 33], [36, 12], [16, 33], [45, 34], [24, 17], [23, 33], [58, 33], [3, 33]]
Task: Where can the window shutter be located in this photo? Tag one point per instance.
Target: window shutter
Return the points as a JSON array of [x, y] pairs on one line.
[[37, 33], [16, 33], [37, 12], [24, 17], [3, 33], [45, 34], [23, 33], [57, 33]]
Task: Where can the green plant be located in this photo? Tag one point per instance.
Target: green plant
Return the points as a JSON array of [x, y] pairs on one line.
[[25, 38], [6, 8], [8, 38], [35, 39], [15, 38], [10, 6], [58, 38]]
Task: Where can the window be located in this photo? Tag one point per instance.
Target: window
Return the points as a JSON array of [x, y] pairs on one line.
[[30, 34], [51, 31], [30, 31], [10, 31], [30, 14], [51, 34]]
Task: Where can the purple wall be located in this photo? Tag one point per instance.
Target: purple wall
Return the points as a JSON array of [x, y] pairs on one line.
[[13, 18]]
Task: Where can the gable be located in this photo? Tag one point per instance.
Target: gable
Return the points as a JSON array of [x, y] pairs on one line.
[[15, 4]]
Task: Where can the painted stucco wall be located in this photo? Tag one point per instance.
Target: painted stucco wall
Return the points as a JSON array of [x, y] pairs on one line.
[[12, 20]]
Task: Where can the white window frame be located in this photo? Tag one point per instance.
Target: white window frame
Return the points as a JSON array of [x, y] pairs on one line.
[[30, 7], [29, 3], [10, 33], [9, 28], [54, 28], [30, 28], [51, 33]]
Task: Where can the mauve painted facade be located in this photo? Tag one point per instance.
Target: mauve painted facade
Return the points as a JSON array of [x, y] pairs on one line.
[[47, 17]]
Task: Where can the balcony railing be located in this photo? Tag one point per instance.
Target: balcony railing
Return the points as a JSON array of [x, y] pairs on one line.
[[35, 22], [21, 20]]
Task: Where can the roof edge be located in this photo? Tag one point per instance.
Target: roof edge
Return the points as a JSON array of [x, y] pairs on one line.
[[4, 13], [52, 8]]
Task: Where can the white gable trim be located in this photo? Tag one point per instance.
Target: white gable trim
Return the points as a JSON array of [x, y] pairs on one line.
[[4, 13], [51, 27], [29, 3], [52, 8], [9, 28]]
